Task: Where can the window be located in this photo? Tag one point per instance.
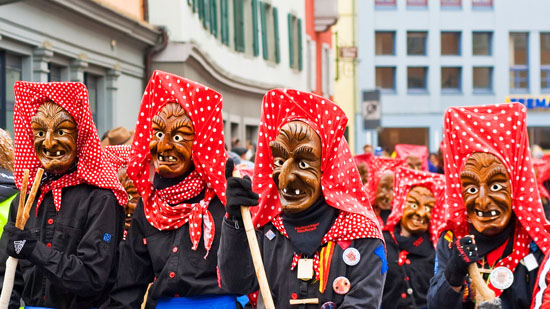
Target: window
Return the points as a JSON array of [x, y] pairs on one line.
[[385, 78], [450, 43], [384, 2], [238, 25], [450, 78], [483, 79], [55, 73], [224, 20], [519, 70], [545, 61], [269, 20], [481, 43], [416, 43], [385, 42], [417, 78], [10, 71], [92, 83], [417, 2], [295, 41], [250, 12], [451, 3], [482, 3]]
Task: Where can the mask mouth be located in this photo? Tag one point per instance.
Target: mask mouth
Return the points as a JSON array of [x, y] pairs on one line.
[[167, 159], [418, 221], [488, 214], [53, 154], [292, 194]]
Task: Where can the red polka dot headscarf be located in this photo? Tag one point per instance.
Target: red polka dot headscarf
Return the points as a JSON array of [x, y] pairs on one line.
[[340, 180], [118, 155], [403, 151], [543, 174], [501, 130], [378, 166], [405, 180], [92, 168]]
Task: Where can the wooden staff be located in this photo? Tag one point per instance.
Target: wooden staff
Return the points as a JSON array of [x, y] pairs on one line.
[[23, 211], [255, 252], [483, 292]]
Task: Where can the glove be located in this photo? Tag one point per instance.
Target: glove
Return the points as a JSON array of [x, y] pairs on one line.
[[238, 193], [21, 243], [464, 252], [490, 304]]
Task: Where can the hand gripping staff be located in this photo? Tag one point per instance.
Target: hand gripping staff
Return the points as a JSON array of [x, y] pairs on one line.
[[255, 252], [485, 297], [23, 211]]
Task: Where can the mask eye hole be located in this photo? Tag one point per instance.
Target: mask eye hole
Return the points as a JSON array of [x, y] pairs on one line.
[[303, 165], [278, 162], [177, 138], [472, 190], [413, 205], [40, 134], [159, 135], [496, 187], [60, 132]]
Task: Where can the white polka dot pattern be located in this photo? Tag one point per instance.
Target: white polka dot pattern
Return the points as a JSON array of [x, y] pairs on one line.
[[340, 180], [502, 131], [405, 180], [378, 166], [402, 151], [93, 167], [118, 155]]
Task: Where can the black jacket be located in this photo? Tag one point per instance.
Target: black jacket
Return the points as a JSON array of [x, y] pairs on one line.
[[74, 263], [166, 259], [238, 276], [517, 296], [413, 275], [7, 184]]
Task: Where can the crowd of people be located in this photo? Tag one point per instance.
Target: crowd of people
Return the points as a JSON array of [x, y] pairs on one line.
[[155, 217]]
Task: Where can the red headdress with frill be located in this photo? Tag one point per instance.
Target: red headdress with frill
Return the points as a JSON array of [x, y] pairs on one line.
[[500, 130], [403, 151], [118, 155], [542, 169], [340, 180], [405, 180], [378, 166], [92, 168]]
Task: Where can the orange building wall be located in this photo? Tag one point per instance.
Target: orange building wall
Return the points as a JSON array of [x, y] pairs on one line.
[[320, 38], [131, 8]]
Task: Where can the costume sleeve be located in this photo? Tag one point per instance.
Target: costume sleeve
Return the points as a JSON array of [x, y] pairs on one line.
[[18, 280], [368, 276], [135, 268], [441, 294], [86, 273], [234, 260]]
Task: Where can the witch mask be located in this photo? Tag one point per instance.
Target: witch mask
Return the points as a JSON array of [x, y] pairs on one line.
[[55, 136], [414, 163], [172, 141], [297, 166], [486, 192], [384, 191], [417, 211], [133, 195]]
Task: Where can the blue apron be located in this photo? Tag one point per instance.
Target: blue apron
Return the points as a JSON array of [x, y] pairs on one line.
[[206, 302]]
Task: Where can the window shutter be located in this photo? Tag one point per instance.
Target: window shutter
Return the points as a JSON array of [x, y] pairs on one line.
[[255, 43], [300, 60], [225, 22], [190, 2], [206, 9], [201, 9], [195, 5], [276, 34], [238, 24], [265, 52], [290, 41], [214, 17]]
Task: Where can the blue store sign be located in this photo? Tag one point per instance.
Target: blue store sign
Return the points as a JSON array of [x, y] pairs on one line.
[[531, 102]]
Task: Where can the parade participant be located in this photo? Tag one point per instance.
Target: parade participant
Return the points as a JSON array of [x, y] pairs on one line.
[[416, 155], [542, 172], [117, 136], [318, 236], [119, 155], [8, 190], [362, 162], [491, 194], [379, 186], [68, 251], [174, 236], [410, 235]]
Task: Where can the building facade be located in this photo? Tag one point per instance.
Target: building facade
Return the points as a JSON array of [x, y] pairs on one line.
[[78, 40], [427, 55], [241, 48]]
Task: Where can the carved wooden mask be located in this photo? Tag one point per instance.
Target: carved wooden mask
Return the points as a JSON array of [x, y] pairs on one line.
[[417, 211]]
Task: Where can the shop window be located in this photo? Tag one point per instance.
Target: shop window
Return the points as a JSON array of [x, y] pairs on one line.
[[417, 78], [389, 137], [385, 42], [519, 70], [450, 43], [545, 61], [451, 79], [483, 79], [11, 67], [539, 136], [451, 3], [482, 3], [416, 43], [385, 78], [482, 43], [295, 41]]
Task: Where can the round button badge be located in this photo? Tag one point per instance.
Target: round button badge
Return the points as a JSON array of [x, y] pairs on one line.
[[341, 285], [351, 256], [501, 278], [329, 305]]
